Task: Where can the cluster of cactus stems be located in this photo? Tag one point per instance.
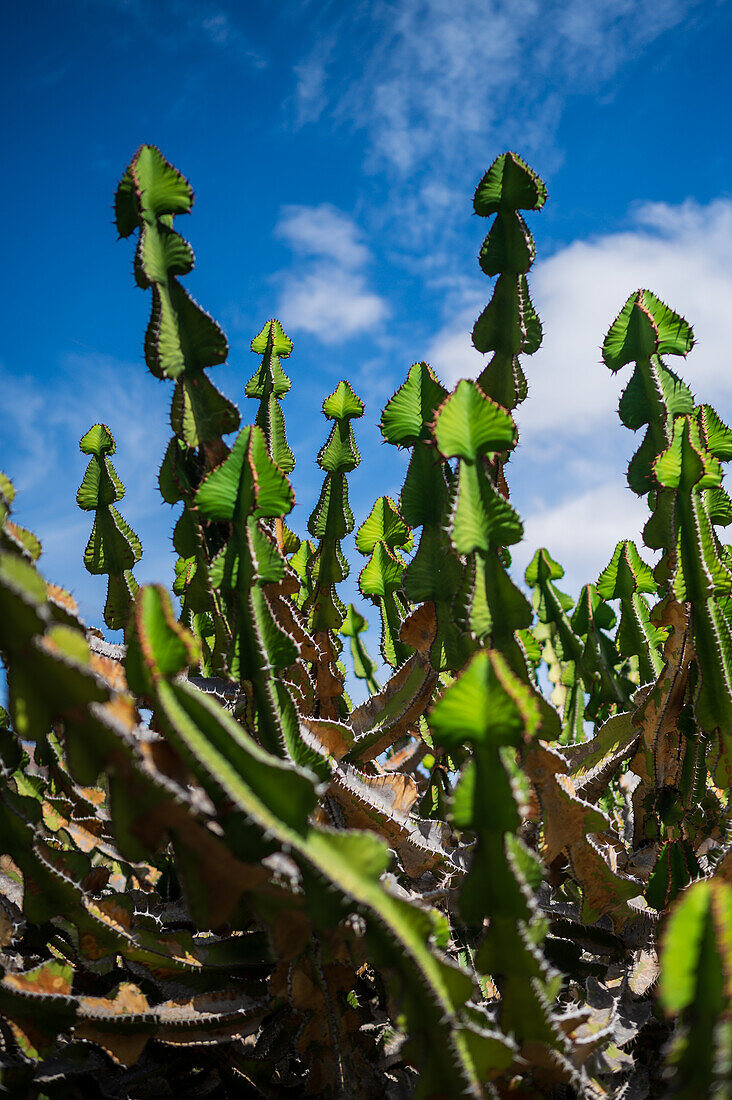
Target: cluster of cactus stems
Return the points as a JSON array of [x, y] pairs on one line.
[[220, 877]]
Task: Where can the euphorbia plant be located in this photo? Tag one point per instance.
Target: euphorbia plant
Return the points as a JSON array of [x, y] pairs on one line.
[[222, 878]]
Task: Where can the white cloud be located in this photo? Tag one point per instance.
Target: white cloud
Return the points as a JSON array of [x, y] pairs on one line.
[[451, 352], [682, 253], [582, 532], [331, 303], [572, 442], [323, 231], [327, 295]]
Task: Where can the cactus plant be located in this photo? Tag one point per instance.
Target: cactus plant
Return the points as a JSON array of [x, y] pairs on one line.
[[220, 876]]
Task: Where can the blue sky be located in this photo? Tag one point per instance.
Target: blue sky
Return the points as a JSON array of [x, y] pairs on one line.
[[334, 149]]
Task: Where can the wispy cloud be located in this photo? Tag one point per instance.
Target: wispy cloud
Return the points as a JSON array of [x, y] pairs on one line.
[[439, 79], [39, 452], [90, 387], [328, 294], [176, 24], [310, 98]]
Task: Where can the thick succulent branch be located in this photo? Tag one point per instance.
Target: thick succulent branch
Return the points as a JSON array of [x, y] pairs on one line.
[[329, 523], [509, 325], [113, 546]]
